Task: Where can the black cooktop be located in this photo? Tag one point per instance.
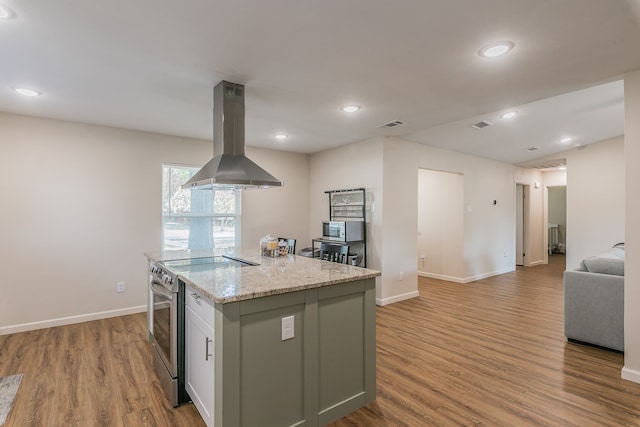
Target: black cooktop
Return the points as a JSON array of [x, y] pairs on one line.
[[194, 264]]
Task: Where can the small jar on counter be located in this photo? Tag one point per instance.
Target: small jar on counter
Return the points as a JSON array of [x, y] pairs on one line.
[[269, 246]]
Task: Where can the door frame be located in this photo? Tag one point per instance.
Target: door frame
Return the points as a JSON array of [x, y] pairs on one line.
[[526, 226], [520, 240]]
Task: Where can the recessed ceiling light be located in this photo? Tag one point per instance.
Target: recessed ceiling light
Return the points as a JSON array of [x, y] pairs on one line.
[[27, 92], [566, 139], [496, 49], [6, 13], [351, 108], [509, 115], [282, 136]]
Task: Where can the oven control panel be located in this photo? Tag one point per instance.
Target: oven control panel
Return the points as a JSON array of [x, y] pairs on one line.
[[162, 276]]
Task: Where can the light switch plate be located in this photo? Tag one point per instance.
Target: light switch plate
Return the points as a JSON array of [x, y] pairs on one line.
[[287, 328]]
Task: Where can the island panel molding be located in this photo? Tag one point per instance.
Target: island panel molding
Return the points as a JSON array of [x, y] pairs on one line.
[[322, 374]]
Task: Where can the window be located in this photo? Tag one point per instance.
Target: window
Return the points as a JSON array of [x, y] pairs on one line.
[[197, 219]]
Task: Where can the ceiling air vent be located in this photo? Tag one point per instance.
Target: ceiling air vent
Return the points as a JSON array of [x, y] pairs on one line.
[[530, 149], [481, 124], [548, 164], [391, 124]]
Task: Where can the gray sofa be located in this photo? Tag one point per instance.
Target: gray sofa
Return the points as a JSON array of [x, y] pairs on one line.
[[594, 300]]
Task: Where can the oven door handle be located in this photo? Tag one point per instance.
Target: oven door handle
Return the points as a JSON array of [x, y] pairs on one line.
[[159, 289]]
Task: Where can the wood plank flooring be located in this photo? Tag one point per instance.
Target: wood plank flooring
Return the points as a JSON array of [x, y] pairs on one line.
[[488, 353], [493, 353], [89, 374]]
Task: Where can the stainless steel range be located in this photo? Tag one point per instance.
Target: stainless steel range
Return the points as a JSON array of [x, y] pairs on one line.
[[167, 294], [167, 326]]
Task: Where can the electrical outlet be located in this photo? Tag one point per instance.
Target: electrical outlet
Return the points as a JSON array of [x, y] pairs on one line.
[[288, 328], [120, 287], [422, 258]]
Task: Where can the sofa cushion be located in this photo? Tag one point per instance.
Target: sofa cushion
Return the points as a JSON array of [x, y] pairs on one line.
[[609, 262]]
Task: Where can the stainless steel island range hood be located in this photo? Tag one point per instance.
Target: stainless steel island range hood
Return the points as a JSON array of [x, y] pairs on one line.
[[230, 168]]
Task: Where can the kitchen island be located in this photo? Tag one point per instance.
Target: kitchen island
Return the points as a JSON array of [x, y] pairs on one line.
[[289, 342]]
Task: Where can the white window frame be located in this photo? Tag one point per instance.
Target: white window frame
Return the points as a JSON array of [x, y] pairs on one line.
[[237, 215]]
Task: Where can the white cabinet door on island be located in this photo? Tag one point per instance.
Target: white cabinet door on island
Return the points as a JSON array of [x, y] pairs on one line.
[[199, 353]]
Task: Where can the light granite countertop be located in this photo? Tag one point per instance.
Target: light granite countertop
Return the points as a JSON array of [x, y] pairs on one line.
[[272, 276]]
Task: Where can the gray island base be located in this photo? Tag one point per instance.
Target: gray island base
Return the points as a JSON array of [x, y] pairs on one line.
[[294, 344]]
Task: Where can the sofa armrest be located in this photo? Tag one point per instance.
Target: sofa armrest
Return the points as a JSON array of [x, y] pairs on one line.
[[594, 308]]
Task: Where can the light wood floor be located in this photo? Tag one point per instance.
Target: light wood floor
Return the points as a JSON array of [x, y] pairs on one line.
[[493, 353], [89, 374], [488, 353]]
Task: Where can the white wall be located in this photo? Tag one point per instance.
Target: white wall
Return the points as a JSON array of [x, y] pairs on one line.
[[631, 368], [75, 195], [489, 230], [281, 212], [80, 205], [554, 178], [595, 180], [440, 224], [389, 167], [399, 222], [595, 199], [357, 165]]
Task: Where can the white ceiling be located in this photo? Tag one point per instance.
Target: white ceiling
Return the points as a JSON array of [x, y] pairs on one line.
[[151, 65]]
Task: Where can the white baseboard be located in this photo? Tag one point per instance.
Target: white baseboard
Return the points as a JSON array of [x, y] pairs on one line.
[[396, 298], [534, 263], [631, 375], [490, 274], [466, 279], [440, 277], [32, 326]]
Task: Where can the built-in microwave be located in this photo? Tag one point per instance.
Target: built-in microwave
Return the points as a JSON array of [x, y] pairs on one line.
[[343, 231]]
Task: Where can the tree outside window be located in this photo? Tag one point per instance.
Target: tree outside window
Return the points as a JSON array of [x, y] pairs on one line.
[[196, 219]]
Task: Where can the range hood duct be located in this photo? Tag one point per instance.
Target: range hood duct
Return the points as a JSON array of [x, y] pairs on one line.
[[230, 168]]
